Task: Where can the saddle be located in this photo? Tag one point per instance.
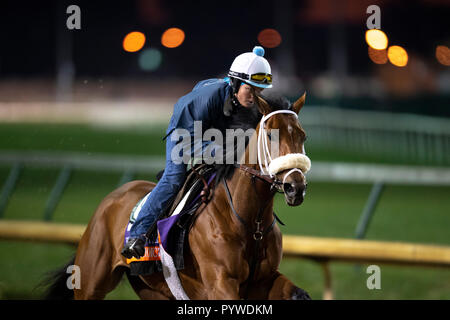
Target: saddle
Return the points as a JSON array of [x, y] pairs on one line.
[[196, 183], [173, 225]]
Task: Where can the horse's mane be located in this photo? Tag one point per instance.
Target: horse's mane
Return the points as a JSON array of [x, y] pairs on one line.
[[248, 118]]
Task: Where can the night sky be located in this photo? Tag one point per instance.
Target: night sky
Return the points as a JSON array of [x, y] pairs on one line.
[[215, 33]]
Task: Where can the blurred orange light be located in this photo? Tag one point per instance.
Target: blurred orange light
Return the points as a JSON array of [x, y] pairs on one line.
[[397, 56], [172, 38], [378, 56], [443, 55], [376, 39], [269, 38], [134, 41]]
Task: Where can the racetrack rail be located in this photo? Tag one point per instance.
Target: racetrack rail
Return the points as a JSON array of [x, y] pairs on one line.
[[321, 250], [316, 248]]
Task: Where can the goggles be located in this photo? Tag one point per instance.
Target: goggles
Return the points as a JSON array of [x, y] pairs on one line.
[[256, 77], [261, 78]]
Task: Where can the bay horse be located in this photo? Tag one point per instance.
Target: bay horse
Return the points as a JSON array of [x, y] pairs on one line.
[[234, 245]]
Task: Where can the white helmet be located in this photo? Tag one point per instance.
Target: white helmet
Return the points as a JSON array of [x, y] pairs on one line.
[[252, 68]]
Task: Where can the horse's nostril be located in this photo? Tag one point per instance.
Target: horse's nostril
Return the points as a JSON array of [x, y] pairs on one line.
[[288, 188]]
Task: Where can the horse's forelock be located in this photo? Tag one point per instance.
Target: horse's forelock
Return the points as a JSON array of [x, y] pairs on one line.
[[276, 100]]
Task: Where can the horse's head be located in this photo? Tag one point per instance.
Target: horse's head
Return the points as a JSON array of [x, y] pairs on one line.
[[281, 152]]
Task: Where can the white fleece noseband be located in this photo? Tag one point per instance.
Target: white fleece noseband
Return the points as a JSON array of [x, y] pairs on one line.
[[298, 162], [291, 160]]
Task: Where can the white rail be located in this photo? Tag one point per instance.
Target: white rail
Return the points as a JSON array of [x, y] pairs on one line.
[[418, 138], [320, 171]]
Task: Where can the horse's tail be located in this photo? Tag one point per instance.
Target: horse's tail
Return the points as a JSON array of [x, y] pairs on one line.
[[56, 283]]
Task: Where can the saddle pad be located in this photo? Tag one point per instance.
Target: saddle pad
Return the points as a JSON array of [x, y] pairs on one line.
[[152, 251]]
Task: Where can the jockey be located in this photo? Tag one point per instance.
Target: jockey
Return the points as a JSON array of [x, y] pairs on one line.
[[210, 102]]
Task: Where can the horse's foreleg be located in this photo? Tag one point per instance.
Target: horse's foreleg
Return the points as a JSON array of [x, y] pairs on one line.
[[220, 285], [220, 279], [283, 289], [220, 259], [144, 291]]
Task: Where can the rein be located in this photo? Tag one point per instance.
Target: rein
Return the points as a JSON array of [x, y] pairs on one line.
[[273, 181], [258, 234]]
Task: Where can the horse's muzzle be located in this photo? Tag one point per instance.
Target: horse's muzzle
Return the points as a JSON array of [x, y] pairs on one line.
[[294, 192]]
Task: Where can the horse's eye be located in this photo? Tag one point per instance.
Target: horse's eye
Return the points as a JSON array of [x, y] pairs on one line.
[[270, 136]]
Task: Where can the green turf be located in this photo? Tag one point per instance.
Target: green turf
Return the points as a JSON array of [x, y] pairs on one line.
[[82, 138], [138, 141], [405, 213]]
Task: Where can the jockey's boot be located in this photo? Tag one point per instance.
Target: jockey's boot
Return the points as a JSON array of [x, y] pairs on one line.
[[135, 247]]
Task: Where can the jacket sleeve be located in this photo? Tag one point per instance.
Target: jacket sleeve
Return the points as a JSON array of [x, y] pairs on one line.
[[204, 103]]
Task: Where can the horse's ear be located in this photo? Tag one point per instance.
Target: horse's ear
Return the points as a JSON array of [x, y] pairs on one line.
[[263, 106], [299, 103]]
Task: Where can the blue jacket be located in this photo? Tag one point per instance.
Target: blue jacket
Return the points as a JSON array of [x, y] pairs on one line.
[[204, 103]]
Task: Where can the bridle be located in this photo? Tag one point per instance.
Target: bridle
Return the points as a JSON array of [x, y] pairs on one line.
[[264, 157], [268, 169], [267, 172], [270, 166]]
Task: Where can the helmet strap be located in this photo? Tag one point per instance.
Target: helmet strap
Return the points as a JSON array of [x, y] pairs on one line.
[[235, 84], [232, 103]]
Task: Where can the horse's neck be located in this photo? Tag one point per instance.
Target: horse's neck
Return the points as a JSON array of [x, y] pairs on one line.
[[250, 196]]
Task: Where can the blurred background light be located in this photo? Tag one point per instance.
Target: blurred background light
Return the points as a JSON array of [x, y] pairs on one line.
[[397, 56], [133, 41], [443, 55], [269, 38], [376, 39], [378, 56], [172, 38], [150, 59]]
